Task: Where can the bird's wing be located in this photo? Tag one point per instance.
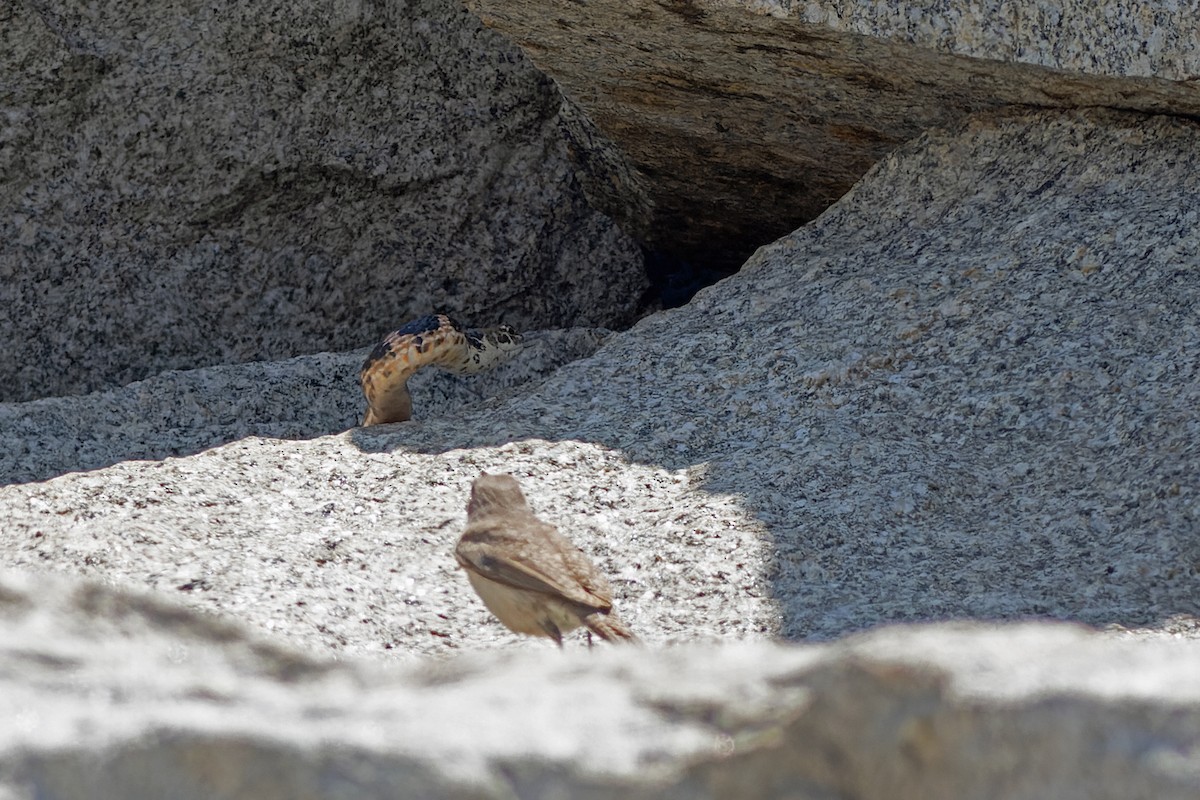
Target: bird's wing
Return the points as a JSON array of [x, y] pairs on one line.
[[585, 572], [534, 559]]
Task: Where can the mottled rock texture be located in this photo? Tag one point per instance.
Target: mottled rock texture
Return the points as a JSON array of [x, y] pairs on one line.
[[107, 693], [711, 127], [1133, 38], [186, 184], [185, 411], [969, 390]]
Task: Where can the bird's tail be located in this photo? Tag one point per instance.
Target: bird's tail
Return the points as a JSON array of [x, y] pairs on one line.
[[609, 627]]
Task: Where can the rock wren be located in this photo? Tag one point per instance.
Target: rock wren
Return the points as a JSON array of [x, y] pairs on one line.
[[528, 574]]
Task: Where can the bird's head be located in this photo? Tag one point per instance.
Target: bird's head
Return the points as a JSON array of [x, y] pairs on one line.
[[492, 493]]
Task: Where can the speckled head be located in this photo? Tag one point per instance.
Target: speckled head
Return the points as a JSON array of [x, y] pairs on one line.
[[506, 335]]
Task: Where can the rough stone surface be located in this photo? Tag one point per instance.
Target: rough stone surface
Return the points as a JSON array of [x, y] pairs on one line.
[[1135, 38], [965, 391], [729, 123], [108, 693], [182, 412], [968, 390], [183, 184]]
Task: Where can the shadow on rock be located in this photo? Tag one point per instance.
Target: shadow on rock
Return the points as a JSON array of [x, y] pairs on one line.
[[969, 390]]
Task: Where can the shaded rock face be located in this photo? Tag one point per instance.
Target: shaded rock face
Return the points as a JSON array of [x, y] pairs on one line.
[[713, 127], [186, 185]]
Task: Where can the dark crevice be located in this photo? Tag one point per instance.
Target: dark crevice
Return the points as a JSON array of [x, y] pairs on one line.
[[675, 279]]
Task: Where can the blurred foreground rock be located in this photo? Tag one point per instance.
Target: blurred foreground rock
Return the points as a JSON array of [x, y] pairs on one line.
[[107, 693]]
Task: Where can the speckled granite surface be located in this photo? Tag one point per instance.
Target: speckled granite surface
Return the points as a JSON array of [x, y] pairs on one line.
[[184, 185], [184, 412], [1147, 38], [968, 390], [733, 122]]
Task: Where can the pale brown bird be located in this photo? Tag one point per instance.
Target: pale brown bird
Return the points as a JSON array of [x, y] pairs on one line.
[[528, 574]]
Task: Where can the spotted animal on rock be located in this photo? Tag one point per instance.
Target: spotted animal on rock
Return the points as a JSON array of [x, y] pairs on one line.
[[434, 340]]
